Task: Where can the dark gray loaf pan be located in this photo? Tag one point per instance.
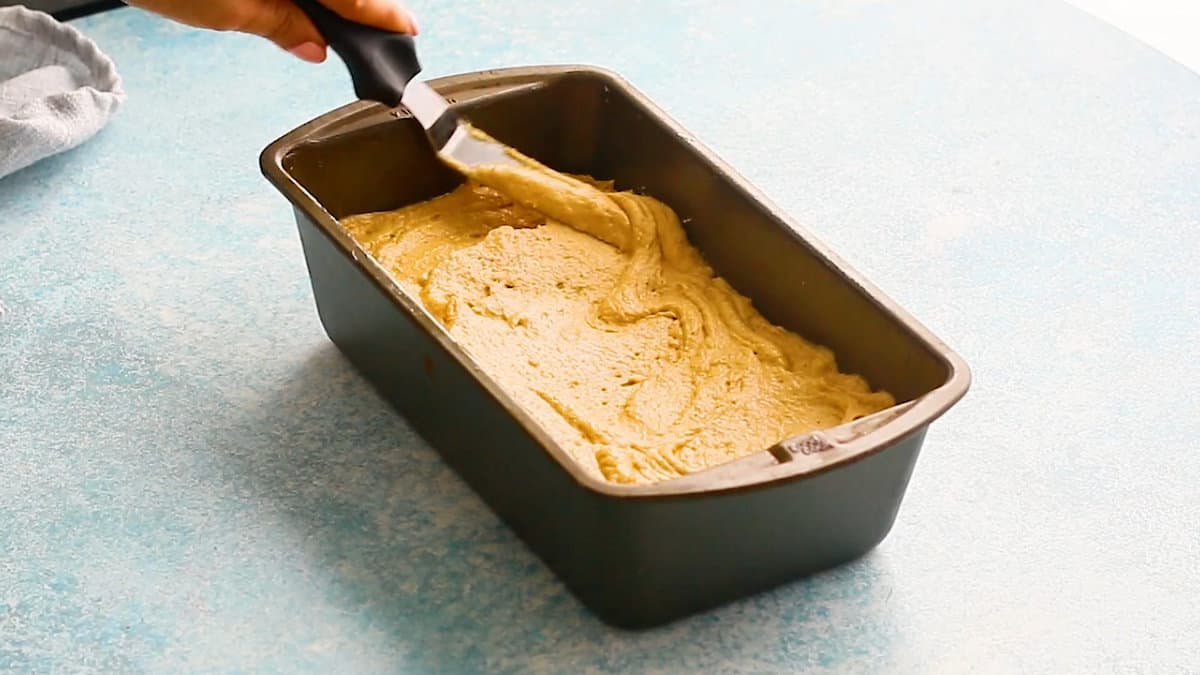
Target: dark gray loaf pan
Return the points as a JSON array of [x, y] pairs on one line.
[[636, 555]]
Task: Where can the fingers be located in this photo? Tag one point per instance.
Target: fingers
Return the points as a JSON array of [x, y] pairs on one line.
[[309, 51], [385, 14], [281, 22]]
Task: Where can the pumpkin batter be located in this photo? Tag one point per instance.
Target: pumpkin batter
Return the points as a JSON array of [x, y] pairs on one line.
[[590, 308]]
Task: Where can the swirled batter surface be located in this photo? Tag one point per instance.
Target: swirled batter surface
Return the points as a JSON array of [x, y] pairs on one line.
[[592, 310]]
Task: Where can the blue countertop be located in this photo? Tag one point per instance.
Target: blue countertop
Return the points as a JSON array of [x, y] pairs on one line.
[[192, 478]]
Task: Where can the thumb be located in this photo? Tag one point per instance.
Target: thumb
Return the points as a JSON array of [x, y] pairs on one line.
[[283, 23]]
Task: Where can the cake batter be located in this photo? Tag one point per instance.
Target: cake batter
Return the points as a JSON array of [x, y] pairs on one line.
[[589, 307]]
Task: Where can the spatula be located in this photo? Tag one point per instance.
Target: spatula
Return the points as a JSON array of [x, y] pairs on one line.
[[383, 66]]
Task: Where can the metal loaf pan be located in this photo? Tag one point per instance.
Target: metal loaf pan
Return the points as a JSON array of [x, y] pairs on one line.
[[636, 555]]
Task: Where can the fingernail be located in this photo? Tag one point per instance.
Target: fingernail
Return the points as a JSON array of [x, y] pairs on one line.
[[412, 22], [309, 51]]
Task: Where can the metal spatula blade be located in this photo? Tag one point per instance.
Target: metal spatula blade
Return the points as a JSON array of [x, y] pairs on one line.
[[445, 129], [383, 66]]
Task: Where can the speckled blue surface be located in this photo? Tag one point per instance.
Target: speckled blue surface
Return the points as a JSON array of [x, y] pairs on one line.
[[192, 478]]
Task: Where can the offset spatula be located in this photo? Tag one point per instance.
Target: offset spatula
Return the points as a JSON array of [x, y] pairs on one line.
[[383, 66]]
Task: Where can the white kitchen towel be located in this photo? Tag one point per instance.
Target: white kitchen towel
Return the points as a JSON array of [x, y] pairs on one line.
[[57, 89]]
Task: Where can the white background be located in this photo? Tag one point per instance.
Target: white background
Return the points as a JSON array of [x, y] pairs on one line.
[[1171, 26]]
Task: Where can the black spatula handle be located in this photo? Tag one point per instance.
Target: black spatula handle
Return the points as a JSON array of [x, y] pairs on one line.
[[380, 62]]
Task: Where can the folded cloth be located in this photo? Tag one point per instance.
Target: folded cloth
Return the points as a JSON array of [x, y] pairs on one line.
[[57, 89]]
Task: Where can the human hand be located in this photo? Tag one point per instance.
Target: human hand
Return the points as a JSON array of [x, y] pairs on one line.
[[280, 21]]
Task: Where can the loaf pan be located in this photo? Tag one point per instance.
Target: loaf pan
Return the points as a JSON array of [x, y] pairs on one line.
[[641, 555]]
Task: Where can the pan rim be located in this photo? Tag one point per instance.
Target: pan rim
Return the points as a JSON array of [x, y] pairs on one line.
[[755, 471]]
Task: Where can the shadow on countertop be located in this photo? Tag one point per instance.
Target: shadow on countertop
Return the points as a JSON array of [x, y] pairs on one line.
[[411, 551]]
